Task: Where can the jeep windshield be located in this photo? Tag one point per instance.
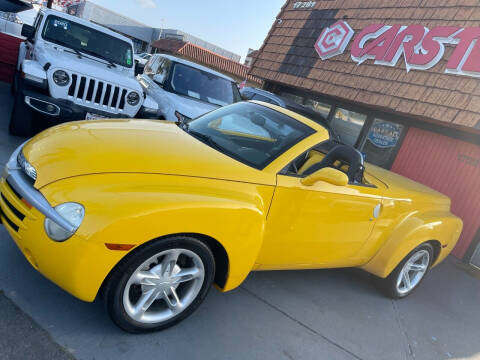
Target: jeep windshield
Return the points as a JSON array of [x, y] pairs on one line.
[[202, 85], [87, 40]]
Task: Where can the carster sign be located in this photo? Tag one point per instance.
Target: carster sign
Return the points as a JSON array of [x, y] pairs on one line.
[[420, 47]]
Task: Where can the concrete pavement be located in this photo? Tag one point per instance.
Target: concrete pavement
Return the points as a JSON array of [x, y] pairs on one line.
[[324, 314]]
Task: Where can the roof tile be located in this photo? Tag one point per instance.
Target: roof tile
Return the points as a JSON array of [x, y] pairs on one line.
[[467, 118], [428, 93]]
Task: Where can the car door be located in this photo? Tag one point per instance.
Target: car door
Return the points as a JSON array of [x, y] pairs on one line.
[[154, 76], [321, 225]]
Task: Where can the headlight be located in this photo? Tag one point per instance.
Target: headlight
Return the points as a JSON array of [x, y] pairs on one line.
[[133, 98], [61, 78], [73, 213], [182, 118], [26, 166]]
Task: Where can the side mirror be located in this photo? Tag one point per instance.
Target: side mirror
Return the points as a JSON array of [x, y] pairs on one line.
[[138, 68], [329, 175], [28, 31], [159, 78]]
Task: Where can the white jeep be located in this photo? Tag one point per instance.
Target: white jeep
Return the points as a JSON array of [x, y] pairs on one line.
[[71, 69]]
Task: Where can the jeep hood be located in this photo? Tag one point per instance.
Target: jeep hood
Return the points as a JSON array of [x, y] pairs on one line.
[[60, 58], [130, 146]]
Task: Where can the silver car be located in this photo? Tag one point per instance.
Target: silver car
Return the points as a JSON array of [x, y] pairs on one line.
[[10, 23]]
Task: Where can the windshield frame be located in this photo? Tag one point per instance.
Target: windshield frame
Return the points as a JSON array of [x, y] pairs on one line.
[[168, 84], [308, 132], [87, 53]]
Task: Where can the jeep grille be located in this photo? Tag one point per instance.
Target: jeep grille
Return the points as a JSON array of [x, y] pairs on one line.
[[89, 91]]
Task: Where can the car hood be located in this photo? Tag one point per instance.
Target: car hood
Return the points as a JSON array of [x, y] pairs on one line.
[[130, 146], [189, 107], [400, 187]]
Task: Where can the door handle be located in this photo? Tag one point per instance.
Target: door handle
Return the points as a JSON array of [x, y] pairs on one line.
[[376, 212]]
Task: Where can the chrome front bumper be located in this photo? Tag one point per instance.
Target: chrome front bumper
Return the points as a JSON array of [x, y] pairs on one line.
[[22, 184]]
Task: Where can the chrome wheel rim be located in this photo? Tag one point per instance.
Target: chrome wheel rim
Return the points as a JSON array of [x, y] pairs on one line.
[[163, 286], [413, 271]]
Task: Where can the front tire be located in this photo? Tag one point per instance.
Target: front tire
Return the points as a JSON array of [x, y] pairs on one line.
[[408, 275], [160, 284]]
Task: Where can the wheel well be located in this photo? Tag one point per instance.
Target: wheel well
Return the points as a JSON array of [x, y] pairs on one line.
[[437, 247], [219, 254]]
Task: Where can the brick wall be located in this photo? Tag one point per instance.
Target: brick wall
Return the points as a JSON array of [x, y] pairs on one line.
[[288, 57], [8, 56]]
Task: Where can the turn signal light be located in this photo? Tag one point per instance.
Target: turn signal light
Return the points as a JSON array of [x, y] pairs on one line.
[[121, 247], [27, 203]]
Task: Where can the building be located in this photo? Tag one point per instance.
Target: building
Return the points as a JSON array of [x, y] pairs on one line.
[[251, 55], [400, 82], [200, 55], [142, 35], [172, 34]]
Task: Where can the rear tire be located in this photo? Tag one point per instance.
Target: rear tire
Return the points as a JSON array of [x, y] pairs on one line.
[[411, 271], [144, 292], [21, 119]]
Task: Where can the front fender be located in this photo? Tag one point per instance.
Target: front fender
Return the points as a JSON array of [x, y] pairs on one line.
[[137, 208], [33, 68], [416, 229]]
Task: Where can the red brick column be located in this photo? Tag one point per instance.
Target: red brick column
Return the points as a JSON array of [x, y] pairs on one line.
[[9, 46]]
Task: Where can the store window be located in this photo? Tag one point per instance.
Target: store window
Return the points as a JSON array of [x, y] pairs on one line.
[[293, 97], [381, 142], [259, 97], [321, 108], [317, 106], [348, 124]]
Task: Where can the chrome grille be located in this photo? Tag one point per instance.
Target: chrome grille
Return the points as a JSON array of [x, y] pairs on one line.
[[89, 91]]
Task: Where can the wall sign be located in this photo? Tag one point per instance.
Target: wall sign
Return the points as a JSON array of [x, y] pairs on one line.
[[420, 47], [468, 160], [384, 134], [333, 40], [304, 4]]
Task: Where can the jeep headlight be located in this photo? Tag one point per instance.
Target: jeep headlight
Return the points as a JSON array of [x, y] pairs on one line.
[[26, 166], [61, 78], [133, 98], [73, 213]]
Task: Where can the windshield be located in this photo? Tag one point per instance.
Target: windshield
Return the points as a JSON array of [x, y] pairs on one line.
[[204, 86], [248, 132], [87, 40]]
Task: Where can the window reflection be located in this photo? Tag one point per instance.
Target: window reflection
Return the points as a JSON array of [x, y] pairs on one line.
[[319, 107], [348, 125]]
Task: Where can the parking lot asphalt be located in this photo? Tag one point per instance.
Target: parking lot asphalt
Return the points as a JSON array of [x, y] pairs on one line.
[[322, 314]]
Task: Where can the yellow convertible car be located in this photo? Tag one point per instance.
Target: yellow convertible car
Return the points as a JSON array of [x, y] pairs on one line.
[[150, 213]]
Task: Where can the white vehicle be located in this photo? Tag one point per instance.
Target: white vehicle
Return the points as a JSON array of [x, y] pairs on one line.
[[10, 23], [142, 58], [185, 90], [71, 69]]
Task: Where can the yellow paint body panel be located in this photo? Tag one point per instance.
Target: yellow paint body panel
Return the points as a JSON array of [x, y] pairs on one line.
[[143, 180]]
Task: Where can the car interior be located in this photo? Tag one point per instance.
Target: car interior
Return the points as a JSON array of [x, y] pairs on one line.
[[329, 154]]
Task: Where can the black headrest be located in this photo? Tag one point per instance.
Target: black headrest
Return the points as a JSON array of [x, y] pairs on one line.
[[346, 154]]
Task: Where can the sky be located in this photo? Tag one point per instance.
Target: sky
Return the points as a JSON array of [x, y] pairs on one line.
[[231, 24]]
